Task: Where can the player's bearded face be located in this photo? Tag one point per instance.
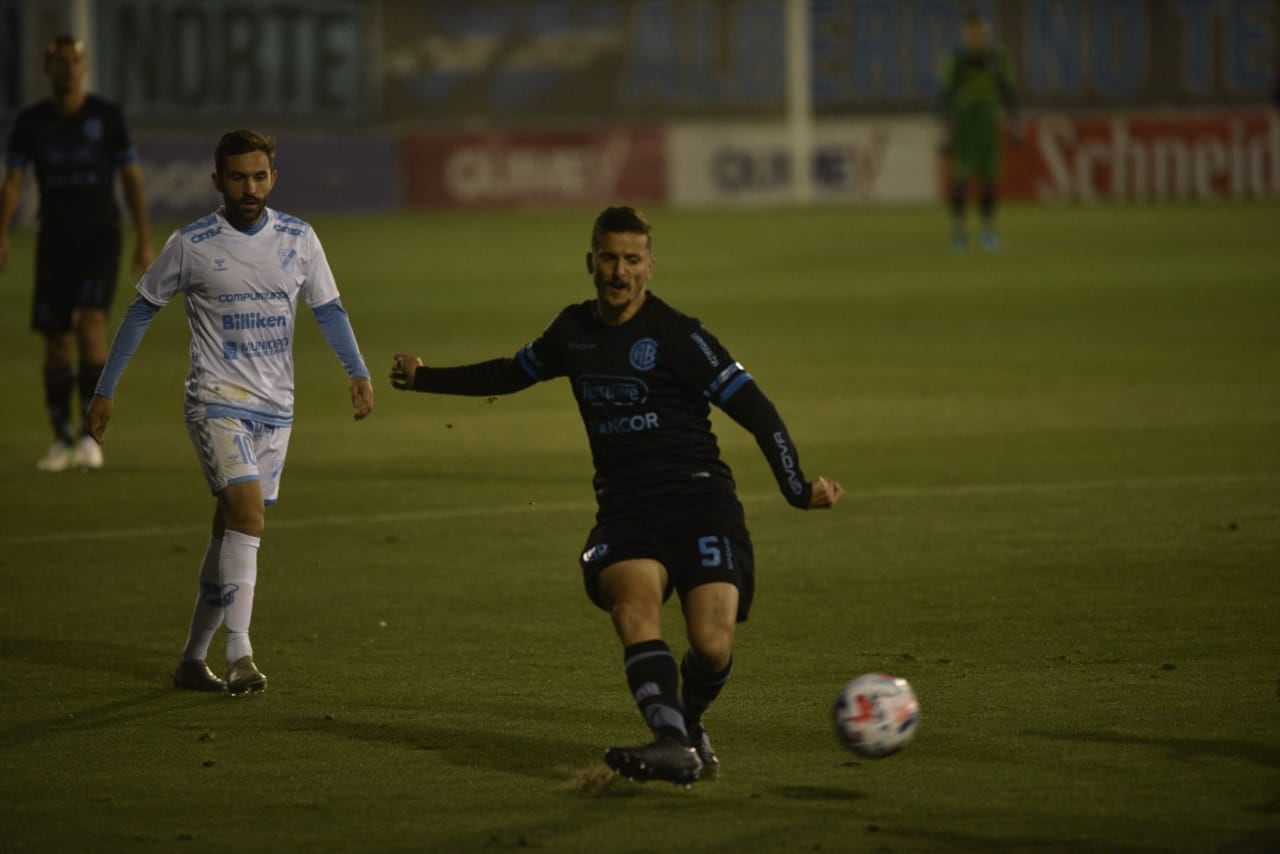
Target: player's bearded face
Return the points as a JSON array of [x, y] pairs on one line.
[[245, 182], [621, 266]]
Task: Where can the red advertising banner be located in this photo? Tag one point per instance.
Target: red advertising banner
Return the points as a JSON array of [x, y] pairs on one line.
[[1137, 157], [459, 170]]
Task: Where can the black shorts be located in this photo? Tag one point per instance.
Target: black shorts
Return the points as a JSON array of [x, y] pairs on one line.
[[699, 539], [74, 269]]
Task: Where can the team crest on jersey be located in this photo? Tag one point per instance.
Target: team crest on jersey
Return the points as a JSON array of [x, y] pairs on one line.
[[92, 128], [287, 259], [644, 354]]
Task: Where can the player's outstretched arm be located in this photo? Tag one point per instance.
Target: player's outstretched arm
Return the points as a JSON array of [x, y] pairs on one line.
[[482, 379], [749, 406]]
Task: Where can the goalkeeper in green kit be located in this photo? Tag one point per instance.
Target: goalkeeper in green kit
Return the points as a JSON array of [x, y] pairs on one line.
[[976, 85]]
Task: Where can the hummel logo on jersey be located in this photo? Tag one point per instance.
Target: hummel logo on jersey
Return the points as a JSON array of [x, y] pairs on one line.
[[220, 265], [582, 345]]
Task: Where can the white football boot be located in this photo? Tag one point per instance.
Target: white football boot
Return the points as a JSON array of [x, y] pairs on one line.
[[60, 457], [88, 453]]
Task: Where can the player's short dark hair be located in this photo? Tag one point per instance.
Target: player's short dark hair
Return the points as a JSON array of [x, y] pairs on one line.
[[60, 41], [243, 142], [621, 219]]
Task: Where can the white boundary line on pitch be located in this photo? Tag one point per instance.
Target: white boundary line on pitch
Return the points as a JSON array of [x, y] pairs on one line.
[[444, 513]]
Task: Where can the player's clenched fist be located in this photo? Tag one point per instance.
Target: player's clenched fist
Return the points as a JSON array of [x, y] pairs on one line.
[[826, 493], [403, 366]]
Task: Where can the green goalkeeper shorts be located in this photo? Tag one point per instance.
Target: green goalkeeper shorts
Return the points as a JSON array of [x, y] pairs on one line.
[[975, 151]]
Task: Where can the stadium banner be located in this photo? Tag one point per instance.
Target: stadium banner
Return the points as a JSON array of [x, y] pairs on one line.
[[318, 174], [518, 64], [219, 60], [572, 167], [1140, 156], [893, 160]]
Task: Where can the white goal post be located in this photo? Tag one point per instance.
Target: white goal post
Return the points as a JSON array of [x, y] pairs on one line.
[[799, 118]]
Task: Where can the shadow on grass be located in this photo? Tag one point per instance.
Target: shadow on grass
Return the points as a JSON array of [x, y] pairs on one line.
[[818, 793], [149, 704], [532, 756], [92, 655], [943, 840], [1266, 755], [151, 695]]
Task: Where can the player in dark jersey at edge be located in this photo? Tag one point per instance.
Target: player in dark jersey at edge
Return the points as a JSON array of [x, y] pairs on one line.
[[77, 142], [976, 82], [644, 376]]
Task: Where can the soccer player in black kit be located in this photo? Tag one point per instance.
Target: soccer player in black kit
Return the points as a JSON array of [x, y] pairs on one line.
[[77, 142], [644, 376]]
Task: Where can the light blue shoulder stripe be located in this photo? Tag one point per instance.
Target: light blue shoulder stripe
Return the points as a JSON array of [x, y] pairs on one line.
[[732, 388], [529, 362]]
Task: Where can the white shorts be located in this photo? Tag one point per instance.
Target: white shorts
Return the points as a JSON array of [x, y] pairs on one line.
[[231, 450]]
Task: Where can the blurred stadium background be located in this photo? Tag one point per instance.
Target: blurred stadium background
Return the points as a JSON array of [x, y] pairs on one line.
[[679, 102]]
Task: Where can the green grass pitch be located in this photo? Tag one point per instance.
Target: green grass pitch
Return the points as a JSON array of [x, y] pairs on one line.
[[1062, 526]]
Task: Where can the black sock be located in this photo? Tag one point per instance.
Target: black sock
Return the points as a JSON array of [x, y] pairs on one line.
[[957, 201], [88, 378], [57, 401], [701, 686], [652, 676], [987, 200]]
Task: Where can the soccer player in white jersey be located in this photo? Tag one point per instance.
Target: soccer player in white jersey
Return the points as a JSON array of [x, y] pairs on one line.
[[241, 271]]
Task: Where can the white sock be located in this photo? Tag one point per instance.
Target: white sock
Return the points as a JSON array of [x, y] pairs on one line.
[[238, 572], [208, 611]]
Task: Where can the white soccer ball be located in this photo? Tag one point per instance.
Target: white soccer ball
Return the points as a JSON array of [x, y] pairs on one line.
[[876, 714]]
